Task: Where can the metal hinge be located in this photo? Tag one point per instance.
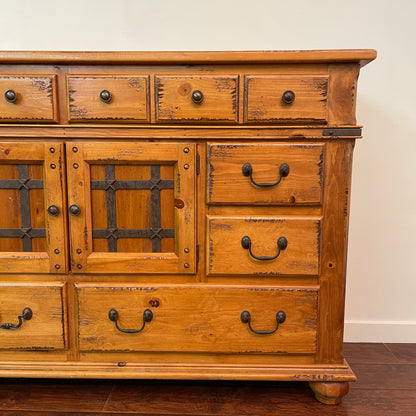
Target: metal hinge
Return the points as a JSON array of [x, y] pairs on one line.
[[198, 163], [342, 132]]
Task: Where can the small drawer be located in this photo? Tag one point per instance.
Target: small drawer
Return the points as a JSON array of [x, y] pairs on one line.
[[36, 311], [190, 319], [265, 174], [197, 99], [287, 99], [108, 99], [25, 99], [263, 246]]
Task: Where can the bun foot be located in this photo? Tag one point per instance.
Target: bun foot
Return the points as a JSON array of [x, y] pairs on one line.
[[329, 393]]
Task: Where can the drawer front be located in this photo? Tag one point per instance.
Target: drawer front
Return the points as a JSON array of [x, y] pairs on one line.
[[265, 174], [196, 99], [266, 95], [256, 245], [41, 329], [111, 99], [197, 319], [28, 99]]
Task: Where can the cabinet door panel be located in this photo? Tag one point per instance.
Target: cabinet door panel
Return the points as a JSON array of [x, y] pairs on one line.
[[32, 218], [136, 207]]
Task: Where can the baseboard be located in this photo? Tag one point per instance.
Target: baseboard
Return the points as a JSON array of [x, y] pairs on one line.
[[380, 331]]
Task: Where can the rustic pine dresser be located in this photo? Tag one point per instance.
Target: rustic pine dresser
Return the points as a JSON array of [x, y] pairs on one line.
[[176, 215]]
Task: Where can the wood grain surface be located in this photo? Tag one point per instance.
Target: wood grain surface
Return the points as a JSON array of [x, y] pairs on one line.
[[197, 319]]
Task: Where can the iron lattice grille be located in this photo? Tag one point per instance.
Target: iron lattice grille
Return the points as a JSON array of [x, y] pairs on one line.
[[23, 184], [110, 185]]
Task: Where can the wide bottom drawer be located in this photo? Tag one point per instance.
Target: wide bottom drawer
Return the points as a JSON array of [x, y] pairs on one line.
[[31, 316], [204, 319]]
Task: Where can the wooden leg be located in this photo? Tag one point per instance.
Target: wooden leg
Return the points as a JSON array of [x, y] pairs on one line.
[[329, 393]]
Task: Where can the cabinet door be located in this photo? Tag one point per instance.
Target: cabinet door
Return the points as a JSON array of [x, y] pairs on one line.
[[131, 207], [32, 220]]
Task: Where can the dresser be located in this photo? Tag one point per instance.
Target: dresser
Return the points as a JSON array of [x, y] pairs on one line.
[[177, 215]]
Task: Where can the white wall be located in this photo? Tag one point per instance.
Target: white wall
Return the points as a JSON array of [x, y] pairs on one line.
[[381, 281]]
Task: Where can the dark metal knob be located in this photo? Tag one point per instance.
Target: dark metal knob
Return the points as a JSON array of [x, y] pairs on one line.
[[53, 210], [288, 97], [105, 96], [10, 96], [74, 210], [197, 96]]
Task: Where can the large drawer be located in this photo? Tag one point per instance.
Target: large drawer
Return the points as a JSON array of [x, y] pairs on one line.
[[197, 99], [265, 174], [25, 98], [108, 99], [39, 308], [190, 319], [287, 99], [263, 246]]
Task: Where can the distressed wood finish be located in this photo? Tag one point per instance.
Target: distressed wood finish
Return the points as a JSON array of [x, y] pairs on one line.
[[264, 99], [163, 208], [225, 254], [45, 330], [36, 99], [205, 319], [227, 184], [129, 99], [174, 99], [85, 258], [50, 257]]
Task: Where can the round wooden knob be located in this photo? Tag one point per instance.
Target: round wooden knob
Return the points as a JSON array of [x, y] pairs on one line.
[[10, 96], [197, 96], [105, 96], [288, 97]]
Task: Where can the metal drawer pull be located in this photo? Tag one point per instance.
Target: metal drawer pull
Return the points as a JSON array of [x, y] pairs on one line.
[[10, 96], [147, 317], [197, 96], [246, 319], [105, 96], [74, 210], [248, 171], [281, 245], [53, 210], [26, 315], [288, 97]]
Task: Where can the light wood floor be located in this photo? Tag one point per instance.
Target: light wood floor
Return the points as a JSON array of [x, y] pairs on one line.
[[386, 386]]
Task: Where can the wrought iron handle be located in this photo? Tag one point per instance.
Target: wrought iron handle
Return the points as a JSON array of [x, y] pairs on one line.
[[281, 245], [10, 96], [147, 317], [248, 171], [26, 315], [197, 96], [105, 96], [53, 210], [288, 97], [246, 319], [74, 210]]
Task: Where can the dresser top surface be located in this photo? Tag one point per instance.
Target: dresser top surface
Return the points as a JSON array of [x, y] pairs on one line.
[[363, 56]]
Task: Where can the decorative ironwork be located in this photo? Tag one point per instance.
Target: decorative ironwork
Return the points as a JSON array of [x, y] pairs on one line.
[[111, 185], [23, 184]]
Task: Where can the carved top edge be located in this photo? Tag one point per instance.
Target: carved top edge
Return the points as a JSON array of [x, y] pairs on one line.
[[362, 56]]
